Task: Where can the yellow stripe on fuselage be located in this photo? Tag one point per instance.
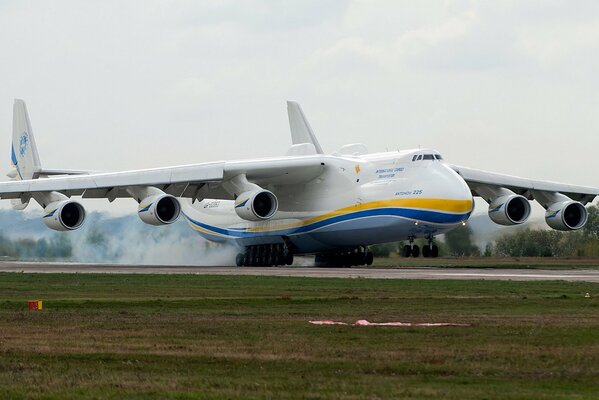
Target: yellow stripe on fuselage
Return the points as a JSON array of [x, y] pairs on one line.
[[439, 205]]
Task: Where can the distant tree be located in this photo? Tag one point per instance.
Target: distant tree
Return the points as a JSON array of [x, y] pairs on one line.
[[488, 249], [591, 228], [588, 248], [459, 242], [7, 247], [539, 243], [383, 250], [26, 248], [60, 246]]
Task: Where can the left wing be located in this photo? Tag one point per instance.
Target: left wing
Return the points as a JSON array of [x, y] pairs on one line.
[[508, 198], [479, 179]]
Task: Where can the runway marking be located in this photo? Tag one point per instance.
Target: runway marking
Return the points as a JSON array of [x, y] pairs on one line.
[[312, 272]]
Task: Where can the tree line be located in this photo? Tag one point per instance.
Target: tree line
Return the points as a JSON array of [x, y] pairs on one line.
[[58, 246]]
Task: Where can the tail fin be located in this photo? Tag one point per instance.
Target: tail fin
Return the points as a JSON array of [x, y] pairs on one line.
[[301, 132], [24, 155]]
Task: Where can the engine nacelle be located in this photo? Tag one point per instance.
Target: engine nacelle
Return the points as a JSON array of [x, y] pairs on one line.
[[511, 209], [159, 209], [566, 215], [64, 215], [258, 205]]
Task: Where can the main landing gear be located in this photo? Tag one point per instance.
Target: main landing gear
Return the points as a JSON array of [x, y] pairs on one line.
[[358, 256], [428, 250], [265, 255]]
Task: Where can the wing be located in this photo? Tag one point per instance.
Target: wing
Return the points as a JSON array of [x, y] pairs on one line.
[[483, 182], [190, 181]]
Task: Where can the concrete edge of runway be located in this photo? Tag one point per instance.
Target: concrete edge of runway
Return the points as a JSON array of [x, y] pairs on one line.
[[460, 273]]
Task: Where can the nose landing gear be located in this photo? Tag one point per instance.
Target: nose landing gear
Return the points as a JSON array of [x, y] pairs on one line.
[[428, 250], [411, 249]]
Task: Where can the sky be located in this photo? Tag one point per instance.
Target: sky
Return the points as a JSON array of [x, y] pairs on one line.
[[506, 86]]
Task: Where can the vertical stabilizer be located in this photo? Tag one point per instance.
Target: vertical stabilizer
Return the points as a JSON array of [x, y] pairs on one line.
[[24, 154], [301, 132]]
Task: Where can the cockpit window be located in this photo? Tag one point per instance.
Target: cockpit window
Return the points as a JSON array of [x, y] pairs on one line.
[[418, 157]]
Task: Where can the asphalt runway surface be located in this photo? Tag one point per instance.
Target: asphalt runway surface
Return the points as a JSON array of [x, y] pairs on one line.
[[584, 275]]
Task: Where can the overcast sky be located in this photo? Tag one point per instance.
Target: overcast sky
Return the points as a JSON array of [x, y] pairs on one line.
[[508, 86]]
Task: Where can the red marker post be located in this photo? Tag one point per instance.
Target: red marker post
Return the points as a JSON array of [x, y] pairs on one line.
[[35, 305]]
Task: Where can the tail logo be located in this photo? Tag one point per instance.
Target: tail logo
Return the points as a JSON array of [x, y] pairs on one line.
[[23, 143]]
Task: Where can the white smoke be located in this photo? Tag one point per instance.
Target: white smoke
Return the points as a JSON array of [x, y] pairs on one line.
[[124, 240]]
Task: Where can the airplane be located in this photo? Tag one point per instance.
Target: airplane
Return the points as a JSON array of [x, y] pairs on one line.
[[307, 202]]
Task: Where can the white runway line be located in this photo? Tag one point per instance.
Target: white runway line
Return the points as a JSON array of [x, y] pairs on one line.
[[368, 273]]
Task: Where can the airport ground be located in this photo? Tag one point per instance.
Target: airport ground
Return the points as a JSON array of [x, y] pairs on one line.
[[205, 336]]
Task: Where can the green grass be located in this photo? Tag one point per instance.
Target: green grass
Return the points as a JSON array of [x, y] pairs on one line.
[[188, 336]]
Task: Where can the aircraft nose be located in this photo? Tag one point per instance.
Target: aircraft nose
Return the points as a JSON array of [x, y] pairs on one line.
[[455, 188]]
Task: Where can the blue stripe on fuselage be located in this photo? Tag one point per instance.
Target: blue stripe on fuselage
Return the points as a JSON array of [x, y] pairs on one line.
[[420, 215]]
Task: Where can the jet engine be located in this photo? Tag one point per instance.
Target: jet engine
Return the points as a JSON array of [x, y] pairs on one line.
[[566, 215], [159, 209], [511, 209], [258, 205], [64, 215]]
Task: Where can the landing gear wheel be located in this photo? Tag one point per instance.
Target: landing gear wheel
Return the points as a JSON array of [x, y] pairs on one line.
[[415, 251], [407, 251], [369, 258], [426, 251], [289, 259], [239, 259], [435, 251]]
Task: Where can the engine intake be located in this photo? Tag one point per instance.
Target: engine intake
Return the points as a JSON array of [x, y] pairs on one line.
[[160, 209], [509, 210], [566, 215], [65, 215], [258, 205]]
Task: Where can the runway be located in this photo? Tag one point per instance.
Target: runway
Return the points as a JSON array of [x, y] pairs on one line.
[[583, 275]]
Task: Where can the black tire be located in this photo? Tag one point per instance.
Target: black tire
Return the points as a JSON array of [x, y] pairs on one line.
[[407, 251], [239, 260], [415, 251], [369, 258], [426, 251], [289, 259], [435, 251]]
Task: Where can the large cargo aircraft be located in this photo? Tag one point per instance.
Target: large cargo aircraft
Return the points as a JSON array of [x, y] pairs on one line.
[[332, 206]]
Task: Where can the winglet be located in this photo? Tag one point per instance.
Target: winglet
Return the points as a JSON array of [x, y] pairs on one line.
[[301, 132], [24, 155]]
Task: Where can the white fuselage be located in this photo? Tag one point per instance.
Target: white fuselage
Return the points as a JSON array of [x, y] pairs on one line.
[[356, 201]]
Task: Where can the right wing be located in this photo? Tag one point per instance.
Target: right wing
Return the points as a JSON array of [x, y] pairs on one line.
[[190, 181]]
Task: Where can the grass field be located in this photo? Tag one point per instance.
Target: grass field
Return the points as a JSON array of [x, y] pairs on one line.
[[184, 336]]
